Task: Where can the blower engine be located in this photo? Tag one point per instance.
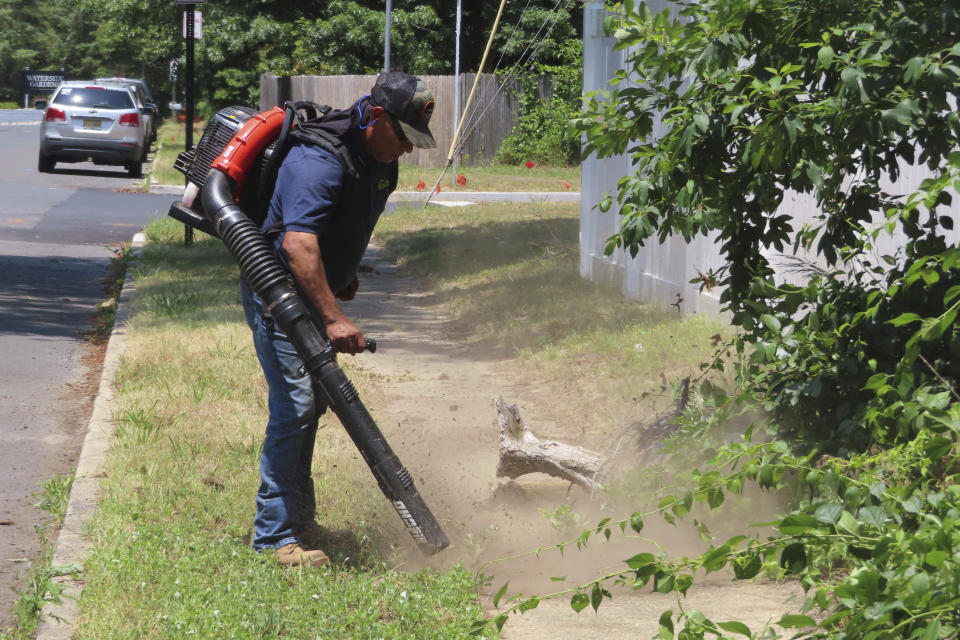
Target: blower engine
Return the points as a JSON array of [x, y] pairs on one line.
[[195, 164], [234, 154]]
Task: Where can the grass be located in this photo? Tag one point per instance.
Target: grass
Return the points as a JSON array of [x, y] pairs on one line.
[[171, 139], [492, 178], [38, 585], [172, 557], [54, 495], [507, 274]]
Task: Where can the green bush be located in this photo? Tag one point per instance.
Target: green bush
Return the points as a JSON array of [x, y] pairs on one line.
[[857, 365], [774, 99], [543, 133]]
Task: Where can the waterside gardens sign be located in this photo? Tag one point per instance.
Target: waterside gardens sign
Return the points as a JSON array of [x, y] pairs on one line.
[[40, 81]]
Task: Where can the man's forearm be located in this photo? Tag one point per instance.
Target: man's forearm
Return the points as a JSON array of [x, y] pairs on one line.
[[303, 255]]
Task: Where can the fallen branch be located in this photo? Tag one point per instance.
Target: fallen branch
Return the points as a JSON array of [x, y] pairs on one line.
[[521, 452]]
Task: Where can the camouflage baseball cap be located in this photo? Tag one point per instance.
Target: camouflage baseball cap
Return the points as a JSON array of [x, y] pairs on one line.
[[408, 100]]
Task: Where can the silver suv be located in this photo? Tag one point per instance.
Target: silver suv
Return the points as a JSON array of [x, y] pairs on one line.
[[87, 121], [141, 93]]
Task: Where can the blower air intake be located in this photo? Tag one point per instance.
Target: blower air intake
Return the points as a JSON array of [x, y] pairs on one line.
[[218, 133], [235, 152], [195, 164]]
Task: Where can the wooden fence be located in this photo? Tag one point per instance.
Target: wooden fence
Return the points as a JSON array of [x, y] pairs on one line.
[[491, 117]]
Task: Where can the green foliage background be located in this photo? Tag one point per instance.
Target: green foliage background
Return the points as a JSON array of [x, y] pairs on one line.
[[244, 38], [543, 133], [831, 99]]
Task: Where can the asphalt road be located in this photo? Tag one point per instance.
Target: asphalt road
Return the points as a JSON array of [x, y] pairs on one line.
[[56, 235]]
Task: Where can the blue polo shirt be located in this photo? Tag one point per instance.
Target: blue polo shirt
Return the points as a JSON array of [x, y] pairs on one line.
[[314, 193]]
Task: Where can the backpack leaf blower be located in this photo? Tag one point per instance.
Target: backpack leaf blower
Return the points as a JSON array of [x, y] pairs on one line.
[[240, 147]]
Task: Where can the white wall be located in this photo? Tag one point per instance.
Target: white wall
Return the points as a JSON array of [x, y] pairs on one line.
[[662, 273]]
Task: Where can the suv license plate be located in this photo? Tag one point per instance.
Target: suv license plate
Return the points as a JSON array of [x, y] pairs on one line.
[[91, 124]]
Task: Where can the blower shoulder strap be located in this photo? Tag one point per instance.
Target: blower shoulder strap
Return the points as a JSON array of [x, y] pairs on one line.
[[309, 133], [302, 123]]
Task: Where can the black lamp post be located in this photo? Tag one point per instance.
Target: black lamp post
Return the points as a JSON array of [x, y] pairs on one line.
[[189, 17]]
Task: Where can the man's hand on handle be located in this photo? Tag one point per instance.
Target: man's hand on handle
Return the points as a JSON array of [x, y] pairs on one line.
[[345, 336], [303, 256]]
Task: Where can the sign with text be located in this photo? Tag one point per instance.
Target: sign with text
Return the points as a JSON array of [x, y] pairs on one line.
[[197, 25], [40, 81]]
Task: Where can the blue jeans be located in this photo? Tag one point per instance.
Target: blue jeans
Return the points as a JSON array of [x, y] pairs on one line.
[[285, 500]]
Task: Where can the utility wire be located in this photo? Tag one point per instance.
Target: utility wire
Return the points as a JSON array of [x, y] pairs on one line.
[[513, 35], [523, 58], [455, 148], [475, 123]]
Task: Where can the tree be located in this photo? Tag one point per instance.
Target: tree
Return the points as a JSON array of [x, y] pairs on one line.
[[245, 38], [542, 133], [766, 96], [542, 25], [348, 38], [40, 36]]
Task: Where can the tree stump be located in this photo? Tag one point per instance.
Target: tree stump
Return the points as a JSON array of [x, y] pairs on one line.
[[521, 453]]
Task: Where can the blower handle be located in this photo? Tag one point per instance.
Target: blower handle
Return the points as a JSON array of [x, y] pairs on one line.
[[369, 346]]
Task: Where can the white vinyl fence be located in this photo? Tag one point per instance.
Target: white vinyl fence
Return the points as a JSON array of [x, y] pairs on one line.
[[662, 273]]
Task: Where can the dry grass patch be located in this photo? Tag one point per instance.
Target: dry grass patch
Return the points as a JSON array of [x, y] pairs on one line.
[[506, 276]]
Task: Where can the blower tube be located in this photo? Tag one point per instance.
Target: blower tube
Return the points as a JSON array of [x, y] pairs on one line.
[[267, 276]]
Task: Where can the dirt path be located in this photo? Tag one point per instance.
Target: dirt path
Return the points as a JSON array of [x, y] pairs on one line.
[[434, 401]]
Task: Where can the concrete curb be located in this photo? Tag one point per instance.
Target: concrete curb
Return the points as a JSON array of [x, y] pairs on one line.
[[166, 189], [57, 620]]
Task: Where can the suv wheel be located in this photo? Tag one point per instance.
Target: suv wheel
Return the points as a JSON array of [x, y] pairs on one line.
[[134, 169], [45, 164]]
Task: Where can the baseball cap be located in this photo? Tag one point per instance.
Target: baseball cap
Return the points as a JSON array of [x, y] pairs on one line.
[[409, 101]]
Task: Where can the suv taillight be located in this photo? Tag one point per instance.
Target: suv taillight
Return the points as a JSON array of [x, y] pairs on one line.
[[130, 120], [54, 114]]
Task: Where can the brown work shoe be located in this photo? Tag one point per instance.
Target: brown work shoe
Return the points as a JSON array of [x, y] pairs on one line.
[[295, 555]]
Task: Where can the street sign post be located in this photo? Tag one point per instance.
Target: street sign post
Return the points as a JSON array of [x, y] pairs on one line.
[[189, 26]]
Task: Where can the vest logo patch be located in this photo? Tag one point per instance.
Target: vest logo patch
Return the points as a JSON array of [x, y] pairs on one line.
[[383, 185]]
